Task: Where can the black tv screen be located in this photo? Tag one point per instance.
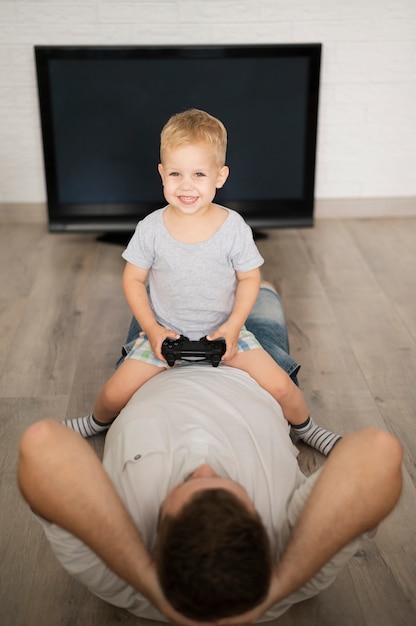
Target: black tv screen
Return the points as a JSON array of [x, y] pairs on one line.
[[102, 110]]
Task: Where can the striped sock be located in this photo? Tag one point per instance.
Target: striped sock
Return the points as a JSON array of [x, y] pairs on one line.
[[316, 437], [86, 426]]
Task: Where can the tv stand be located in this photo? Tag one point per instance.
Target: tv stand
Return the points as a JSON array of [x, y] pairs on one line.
[[115, 238], [123, 238]]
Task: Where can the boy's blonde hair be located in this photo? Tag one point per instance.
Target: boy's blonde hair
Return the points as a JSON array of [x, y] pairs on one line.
[[195, 126]]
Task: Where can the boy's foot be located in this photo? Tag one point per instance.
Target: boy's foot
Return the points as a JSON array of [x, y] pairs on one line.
[[86, 426], [313, 435]]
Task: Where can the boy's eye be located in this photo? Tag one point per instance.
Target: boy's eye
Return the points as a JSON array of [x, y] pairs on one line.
[[199, 174], [174, 174]]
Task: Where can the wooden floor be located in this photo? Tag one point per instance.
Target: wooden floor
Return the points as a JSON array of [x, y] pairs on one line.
[[349, 290]]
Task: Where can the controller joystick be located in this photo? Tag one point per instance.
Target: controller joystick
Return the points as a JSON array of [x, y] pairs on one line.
[[186, 350]]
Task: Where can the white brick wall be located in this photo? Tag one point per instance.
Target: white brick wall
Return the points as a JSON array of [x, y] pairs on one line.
[[367, 121]]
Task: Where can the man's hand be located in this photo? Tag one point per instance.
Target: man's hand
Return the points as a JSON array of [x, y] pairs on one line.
[[230, 333], [155, 594], [156, 337], [272, 598]]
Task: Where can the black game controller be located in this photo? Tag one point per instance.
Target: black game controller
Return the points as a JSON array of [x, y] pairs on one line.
[[202, 350]]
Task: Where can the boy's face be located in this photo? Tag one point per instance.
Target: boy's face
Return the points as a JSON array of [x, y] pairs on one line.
[[190, 177]]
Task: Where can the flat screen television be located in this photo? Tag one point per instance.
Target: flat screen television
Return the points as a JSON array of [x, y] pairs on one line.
[[102, 109]]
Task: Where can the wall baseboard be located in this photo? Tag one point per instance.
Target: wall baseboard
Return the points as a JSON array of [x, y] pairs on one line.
[[325, 208], [343, 208], [23, 213]]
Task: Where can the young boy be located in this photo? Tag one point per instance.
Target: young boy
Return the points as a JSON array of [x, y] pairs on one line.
[[202, 266]]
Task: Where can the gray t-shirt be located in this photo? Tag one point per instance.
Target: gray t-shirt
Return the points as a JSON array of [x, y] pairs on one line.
[[192, 286]]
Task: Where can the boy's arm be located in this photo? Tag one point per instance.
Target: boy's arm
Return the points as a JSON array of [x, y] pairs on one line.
[[246, 293], [134, 287]]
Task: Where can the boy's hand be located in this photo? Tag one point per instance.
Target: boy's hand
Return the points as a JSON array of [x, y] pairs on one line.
[[228, 332], [156, 337]]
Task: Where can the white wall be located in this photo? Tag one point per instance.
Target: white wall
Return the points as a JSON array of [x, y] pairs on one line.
[[367, 120]]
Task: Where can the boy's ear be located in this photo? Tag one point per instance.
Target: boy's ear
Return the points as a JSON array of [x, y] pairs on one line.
[[160, 170], [222, 176]]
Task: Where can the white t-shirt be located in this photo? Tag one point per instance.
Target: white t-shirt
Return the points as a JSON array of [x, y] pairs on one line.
[[180, 419]]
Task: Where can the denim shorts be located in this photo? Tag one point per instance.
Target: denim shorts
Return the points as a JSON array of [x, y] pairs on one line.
[[266, 322], [141, 350]]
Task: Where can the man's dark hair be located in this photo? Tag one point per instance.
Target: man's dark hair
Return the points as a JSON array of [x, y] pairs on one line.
[[213, 557]]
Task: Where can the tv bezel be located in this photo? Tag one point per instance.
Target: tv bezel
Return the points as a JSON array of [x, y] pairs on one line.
[[123, 217]]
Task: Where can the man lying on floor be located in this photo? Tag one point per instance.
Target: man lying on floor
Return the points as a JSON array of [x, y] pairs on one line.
[[199, 511]]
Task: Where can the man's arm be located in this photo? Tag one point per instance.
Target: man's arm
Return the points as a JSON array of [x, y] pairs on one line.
[[359, 485], [63, 481]]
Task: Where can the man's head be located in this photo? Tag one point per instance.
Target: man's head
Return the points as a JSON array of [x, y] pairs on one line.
[[213, 554]]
